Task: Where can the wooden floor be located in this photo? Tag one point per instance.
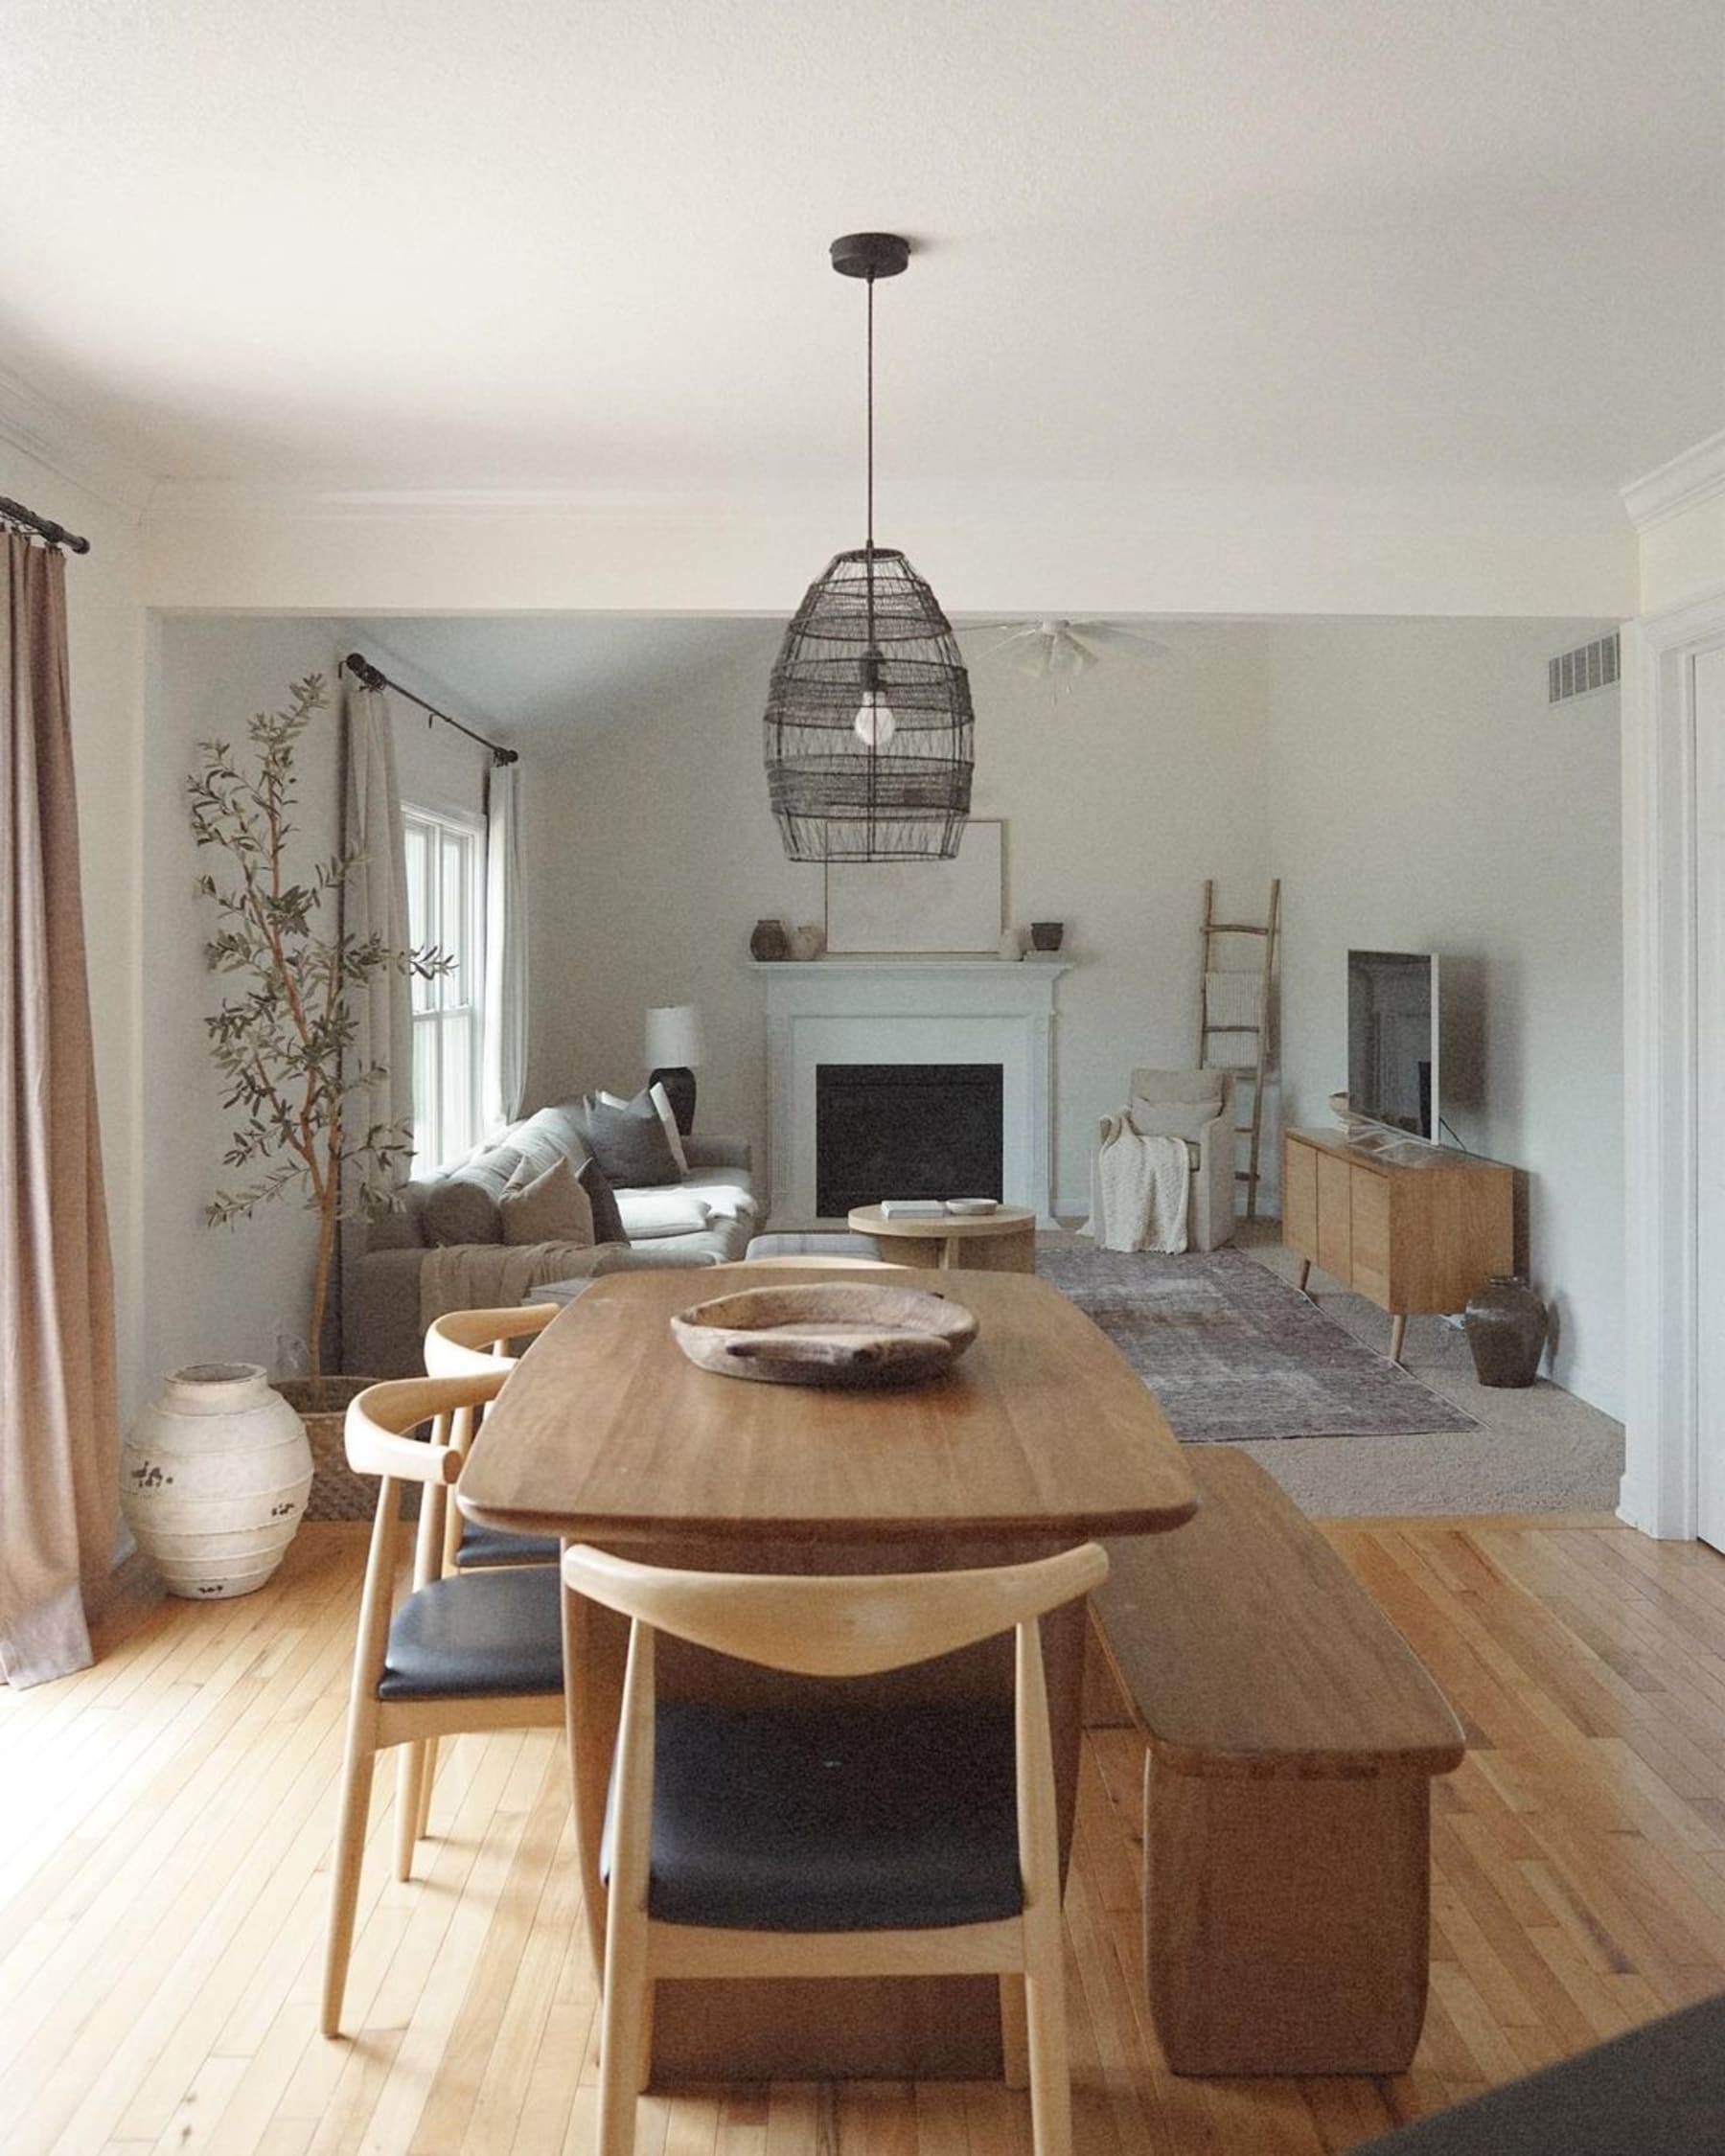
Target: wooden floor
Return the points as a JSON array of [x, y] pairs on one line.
[[164, 1822]]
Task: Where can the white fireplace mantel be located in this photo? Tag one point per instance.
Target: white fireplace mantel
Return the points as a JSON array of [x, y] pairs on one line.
[[910, 1010]]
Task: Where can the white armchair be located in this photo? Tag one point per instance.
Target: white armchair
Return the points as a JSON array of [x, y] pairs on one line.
[[1197, 1106]]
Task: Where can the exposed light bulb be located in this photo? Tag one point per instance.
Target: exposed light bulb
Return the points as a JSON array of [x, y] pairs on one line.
[[874, 722]]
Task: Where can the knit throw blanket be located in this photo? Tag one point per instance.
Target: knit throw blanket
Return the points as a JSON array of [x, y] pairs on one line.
[[491, 1276], [1143, 1186]]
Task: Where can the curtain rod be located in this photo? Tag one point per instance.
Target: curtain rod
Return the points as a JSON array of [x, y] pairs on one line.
[[44, 527], [370, 677]]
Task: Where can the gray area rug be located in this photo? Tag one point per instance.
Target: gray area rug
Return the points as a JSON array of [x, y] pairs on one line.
[[1236, 1356]]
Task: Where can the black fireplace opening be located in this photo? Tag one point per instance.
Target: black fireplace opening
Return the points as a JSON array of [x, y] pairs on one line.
[[906, 1130]]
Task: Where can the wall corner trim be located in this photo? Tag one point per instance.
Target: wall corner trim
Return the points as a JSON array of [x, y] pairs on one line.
[[1696, 474]]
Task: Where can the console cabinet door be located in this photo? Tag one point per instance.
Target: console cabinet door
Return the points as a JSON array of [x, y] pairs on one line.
[[1369, 1221], [1300, 1197], [1335, 1218]]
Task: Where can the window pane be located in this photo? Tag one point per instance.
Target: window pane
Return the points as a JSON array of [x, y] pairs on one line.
[[453, 915], [456, 1076], [424, 1095]]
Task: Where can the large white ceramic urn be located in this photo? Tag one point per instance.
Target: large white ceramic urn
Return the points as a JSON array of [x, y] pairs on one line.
[[213, 1480]]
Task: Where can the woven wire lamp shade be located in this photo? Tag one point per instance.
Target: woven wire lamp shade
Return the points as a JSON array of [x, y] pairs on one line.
[[834, 796]]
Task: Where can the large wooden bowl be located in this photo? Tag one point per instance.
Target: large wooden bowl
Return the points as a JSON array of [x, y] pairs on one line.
[[855, 1333]]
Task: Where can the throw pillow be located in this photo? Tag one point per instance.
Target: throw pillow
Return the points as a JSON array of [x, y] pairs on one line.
[[608, 1221], [651, 1213], [550, 1207], [630, 1143], [662, 1102]]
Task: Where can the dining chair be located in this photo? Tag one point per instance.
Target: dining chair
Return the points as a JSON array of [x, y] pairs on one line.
[[869, 1839], [473, 1342], [477, 1652], [460, 1344]]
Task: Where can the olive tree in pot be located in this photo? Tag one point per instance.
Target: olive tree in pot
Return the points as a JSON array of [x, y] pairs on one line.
[[285, 1036]]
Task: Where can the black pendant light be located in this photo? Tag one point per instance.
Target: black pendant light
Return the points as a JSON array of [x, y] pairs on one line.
[[868, 715]]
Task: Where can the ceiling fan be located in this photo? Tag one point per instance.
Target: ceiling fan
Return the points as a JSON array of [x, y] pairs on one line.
[[1058, 649]]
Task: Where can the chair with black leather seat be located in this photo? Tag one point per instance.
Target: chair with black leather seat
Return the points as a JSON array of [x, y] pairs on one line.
[[864, 1840], [475, 1342], [473, 1653], [465, 1344]]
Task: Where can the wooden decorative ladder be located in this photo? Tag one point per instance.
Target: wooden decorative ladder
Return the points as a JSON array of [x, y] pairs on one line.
[[1223, 993]]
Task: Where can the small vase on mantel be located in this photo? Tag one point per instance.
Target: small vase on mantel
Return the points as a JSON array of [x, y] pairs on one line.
[[769, 941], [1506, 1325], [213, 1480]]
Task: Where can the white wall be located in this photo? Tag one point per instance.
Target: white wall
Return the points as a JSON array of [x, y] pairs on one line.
[[1118, 799], [1424, 797], [105, 641]]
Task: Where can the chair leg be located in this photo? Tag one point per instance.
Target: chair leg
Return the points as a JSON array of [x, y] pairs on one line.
[[1014, 2038], [344, 1875], [410, 1781], [621, 2016], [1044, 2013], [426, 1780]]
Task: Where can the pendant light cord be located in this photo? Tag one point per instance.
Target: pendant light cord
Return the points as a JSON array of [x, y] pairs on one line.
[[869, 557]]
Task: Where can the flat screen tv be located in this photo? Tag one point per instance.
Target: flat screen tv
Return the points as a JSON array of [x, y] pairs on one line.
[[1392, 1040]]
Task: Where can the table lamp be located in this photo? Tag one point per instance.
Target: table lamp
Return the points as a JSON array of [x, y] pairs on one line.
[[673, 1052]]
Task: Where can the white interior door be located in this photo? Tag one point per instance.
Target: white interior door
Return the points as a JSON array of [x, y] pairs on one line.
[[1708, 689]]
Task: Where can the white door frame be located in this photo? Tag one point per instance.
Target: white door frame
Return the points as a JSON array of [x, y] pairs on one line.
[[1658, 1490]]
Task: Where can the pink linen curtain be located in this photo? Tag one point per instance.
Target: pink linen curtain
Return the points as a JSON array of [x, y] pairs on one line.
[[59, 1477]]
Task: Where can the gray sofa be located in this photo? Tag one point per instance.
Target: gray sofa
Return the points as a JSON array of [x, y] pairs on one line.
[[382, 1332]]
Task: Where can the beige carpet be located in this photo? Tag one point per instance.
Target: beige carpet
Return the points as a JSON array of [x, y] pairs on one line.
[[1535, 1451]]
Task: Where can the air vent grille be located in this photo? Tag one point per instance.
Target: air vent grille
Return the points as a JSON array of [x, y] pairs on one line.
[[1587, 668]]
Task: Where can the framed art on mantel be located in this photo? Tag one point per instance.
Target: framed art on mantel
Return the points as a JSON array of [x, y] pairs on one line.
[[952, 908]]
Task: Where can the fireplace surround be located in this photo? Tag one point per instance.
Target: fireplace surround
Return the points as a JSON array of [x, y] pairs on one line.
[[908, 1011]]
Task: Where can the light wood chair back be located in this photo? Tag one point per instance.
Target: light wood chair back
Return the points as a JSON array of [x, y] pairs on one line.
[[844, 1626], [472, 1344], [464, 1340], [379, 1439]]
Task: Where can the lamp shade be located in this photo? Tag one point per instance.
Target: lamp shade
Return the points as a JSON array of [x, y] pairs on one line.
[[673, 1037], [848, 782]]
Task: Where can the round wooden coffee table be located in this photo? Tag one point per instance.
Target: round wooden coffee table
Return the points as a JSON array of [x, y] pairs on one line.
[[1003, 1241]]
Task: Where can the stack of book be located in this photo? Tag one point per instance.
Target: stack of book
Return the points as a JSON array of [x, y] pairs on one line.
[[934, 1208]]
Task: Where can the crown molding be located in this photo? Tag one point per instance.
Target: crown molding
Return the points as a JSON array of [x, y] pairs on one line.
[[1695, 476], [41, 429], [243, 498]]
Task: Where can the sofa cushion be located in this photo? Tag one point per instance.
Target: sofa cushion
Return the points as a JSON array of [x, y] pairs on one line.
[[726, 1193], [629, 1142], [463, 1207], [546, 1209]]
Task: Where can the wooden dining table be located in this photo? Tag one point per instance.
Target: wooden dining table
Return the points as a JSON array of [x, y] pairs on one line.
[[1041, 1437]]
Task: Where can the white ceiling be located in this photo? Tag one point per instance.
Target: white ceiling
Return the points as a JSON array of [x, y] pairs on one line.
[[1390, 242]]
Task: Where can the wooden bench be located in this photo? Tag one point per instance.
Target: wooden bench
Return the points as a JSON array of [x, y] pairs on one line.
[[1292, 1736]]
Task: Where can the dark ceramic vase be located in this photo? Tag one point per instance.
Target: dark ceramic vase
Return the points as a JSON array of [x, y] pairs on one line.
[[1506, 1326], [1046, 935], [770, 941]]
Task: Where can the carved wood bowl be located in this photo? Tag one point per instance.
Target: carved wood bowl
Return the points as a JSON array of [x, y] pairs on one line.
[[839, 1333]]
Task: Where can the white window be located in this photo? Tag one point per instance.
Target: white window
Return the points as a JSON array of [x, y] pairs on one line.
[[445, 907]]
